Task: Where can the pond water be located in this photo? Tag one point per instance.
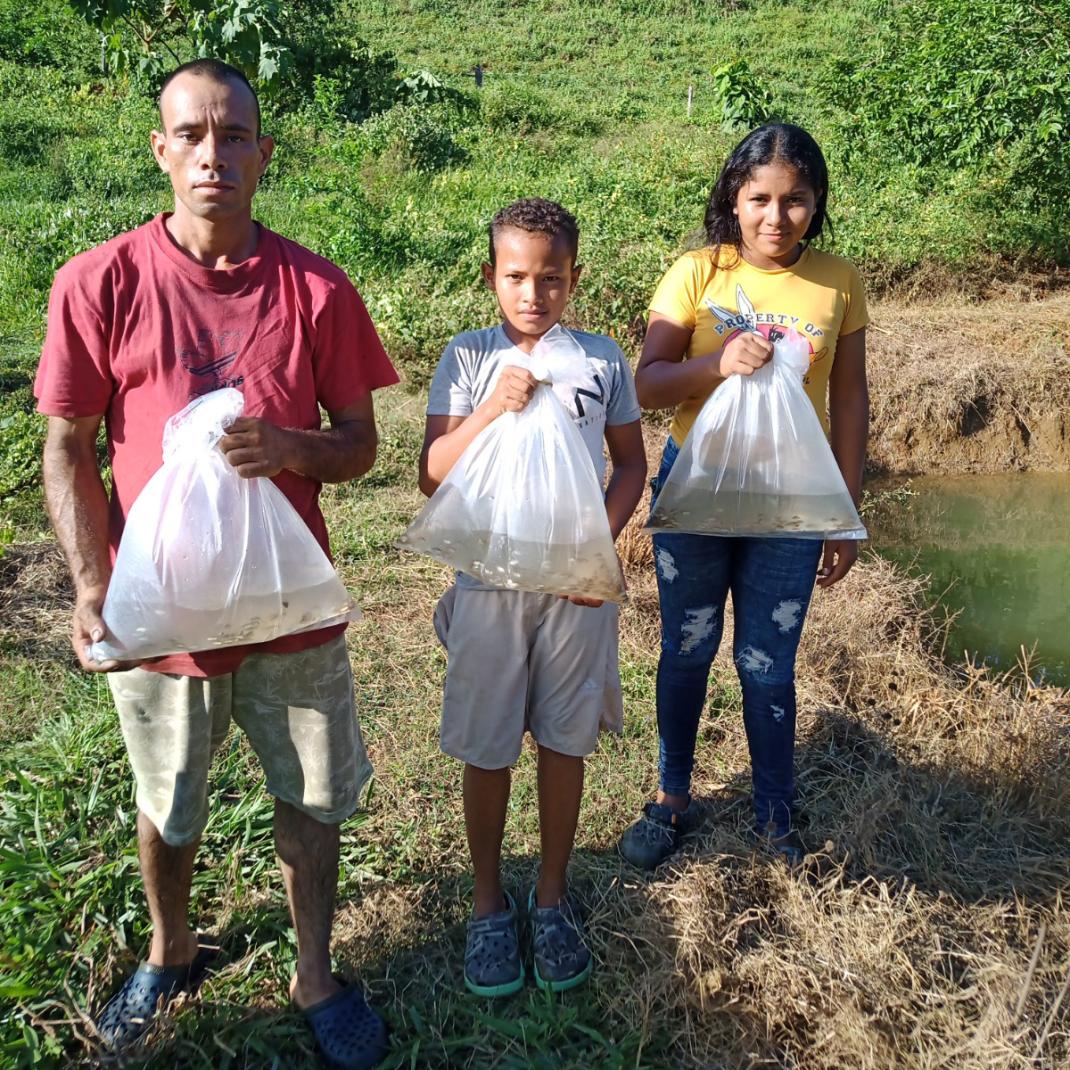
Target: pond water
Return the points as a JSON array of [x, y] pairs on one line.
[[998, 547]]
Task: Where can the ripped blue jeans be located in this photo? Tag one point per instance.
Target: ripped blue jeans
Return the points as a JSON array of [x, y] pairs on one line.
[[771, 581]]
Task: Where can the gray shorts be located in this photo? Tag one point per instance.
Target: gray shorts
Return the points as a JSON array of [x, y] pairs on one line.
[[521, 661], [297, 711]]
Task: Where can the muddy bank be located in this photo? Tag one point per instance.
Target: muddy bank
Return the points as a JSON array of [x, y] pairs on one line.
[[958, 388]]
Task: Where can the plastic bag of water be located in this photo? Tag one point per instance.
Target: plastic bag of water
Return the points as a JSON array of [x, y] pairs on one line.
[[757, 461], [209, 559], [522, 507]]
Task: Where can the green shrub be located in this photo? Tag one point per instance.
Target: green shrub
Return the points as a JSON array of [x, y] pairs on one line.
[[324, 62], [47, 34], [955, 80], [416, 137], [739, 98], [510, 107], [975, 96]]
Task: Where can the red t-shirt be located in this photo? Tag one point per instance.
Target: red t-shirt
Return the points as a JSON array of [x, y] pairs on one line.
[[136, 329]]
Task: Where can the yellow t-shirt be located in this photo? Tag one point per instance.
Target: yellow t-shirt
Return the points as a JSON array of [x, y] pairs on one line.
[[820, 295]]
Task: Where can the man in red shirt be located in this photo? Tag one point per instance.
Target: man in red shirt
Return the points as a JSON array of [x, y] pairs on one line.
[[197, 299]]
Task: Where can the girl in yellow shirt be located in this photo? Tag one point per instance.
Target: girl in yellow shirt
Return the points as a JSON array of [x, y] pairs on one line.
[[716, 313]]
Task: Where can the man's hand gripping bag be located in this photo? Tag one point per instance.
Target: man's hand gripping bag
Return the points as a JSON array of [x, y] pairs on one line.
[[209, 559], [522, 507], [757, 462]]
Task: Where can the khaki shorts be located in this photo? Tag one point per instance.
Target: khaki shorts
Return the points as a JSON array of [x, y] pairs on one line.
[[297, 711], [521, 661]]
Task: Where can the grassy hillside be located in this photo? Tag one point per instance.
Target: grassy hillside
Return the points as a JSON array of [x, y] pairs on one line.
[[582, 102], [941, 123]]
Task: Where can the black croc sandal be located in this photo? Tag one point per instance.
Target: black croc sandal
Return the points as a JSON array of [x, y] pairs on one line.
[[132, 1010], [349, 1034], [492, 964]]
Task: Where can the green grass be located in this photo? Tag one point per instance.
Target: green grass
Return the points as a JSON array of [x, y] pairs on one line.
[[897, 829]]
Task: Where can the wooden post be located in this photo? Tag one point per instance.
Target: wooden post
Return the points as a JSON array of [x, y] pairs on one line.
[[690, 94]]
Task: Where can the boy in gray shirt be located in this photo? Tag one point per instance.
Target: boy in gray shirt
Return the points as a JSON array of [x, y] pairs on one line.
[[520, 661]]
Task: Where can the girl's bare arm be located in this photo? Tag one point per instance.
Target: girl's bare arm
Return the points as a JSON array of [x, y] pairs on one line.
[[849, 409], [849, 417], [664, 379]]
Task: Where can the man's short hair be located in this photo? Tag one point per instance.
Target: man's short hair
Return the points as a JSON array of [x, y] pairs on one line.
[[214, 70], [537, 215]]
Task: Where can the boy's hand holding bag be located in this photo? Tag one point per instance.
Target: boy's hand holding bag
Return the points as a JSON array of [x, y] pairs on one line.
[[522, 507], [757, 461], [211, 559]]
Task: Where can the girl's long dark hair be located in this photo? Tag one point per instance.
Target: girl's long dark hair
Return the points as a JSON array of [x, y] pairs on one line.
[[774, 142]]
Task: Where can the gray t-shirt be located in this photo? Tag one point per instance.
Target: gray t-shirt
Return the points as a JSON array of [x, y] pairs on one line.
[[467, 373]]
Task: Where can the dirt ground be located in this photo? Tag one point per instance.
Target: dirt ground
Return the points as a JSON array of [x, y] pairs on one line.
[[960, 387]]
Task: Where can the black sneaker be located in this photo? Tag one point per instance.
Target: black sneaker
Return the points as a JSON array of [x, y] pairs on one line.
[[656, 835], [559, 940]]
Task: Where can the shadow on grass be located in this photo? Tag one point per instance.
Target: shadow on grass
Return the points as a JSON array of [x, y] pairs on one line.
[[687, 956], [36, 601], [979, 837]]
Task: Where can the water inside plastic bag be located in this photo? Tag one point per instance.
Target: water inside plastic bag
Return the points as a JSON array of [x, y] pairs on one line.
[[209, 559], [757, 462], [522, 508]]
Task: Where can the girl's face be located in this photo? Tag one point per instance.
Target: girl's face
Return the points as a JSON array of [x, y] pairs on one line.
[[774, 207]]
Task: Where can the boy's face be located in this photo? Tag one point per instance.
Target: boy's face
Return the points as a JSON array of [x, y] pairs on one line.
[[533, 277]]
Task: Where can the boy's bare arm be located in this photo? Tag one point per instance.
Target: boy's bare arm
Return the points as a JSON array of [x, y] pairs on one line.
[[628, 454], [344, 451], [78, 506], [447, 437]]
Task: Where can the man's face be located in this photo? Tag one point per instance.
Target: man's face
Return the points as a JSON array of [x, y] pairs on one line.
[[533, 277], [209, 145]]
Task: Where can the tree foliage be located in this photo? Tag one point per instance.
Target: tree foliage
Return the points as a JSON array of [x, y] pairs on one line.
[[286, 47], [956, 81], [150, 36]]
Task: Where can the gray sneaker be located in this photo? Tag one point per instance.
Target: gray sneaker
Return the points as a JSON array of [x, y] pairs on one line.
[[492, 965], [656, 835], [788, 846], [562, 957]]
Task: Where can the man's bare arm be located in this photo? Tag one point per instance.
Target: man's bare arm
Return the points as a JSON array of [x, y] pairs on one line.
[[78, 506], [345, 450]]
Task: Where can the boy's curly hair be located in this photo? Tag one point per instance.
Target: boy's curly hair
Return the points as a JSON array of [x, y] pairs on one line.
[[537, 216]]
